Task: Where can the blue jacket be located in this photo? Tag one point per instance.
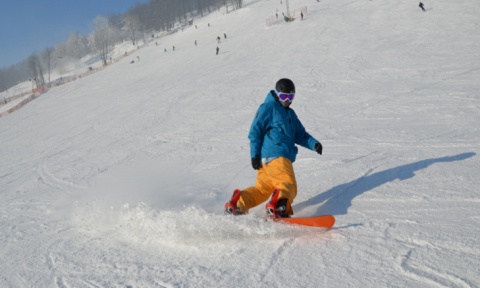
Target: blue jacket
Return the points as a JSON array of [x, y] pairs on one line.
[[275, 131]]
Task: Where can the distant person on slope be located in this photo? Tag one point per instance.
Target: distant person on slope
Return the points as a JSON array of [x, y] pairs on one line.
[[421, 6], [273, 134]]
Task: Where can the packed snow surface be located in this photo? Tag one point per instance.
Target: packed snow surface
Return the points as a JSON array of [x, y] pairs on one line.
[[119, 179]]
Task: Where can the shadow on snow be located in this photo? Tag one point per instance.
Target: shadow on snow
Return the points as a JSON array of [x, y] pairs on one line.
[[337, 200]]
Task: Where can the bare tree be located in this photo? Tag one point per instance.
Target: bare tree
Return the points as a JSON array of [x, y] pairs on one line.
[[225, 3], [131, 24], [76, 46], [103, 38], [36, 70], [47, 59], [237, 4]]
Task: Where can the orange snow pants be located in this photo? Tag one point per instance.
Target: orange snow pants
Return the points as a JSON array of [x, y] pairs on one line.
[[277, 174]]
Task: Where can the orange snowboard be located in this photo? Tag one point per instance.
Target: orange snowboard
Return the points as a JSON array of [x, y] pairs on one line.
[[324, 221]]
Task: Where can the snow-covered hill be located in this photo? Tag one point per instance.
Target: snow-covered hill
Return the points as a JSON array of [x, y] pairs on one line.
[[119, 179]]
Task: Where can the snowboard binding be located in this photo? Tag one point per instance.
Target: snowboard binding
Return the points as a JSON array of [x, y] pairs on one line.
[[277, 208], [231, 206]]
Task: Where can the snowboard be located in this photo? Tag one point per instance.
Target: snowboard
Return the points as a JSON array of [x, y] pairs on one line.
[[323, 221]]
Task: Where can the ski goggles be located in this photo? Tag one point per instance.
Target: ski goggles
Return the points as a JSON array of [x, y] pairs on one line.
[[285, 96]]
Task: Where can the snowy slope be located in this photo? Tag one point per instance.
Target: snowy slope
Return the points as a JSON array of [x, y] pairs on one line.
[[119, 179]]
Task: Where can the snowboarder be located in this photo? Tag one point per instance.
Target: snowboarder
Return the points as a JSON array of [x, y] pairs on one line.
[[421, 6], [273, 134]]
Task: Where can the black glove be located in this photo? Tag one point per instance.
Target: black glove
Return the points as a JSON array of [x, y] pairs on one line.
[[318, 148], [256, 162]]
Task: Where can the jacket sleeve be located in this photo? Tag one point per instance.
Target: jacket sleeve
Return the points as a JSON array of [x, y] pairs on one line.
[[302, 137], [258, 130]]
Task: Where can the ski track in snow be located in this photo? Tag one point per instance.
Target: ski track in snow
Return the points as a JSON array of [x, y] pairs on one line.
[[430, 276], [278, 255]]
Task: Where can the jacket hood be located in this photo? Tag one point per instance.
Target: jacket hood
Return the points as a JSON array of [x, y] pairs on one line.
[[270, 97]]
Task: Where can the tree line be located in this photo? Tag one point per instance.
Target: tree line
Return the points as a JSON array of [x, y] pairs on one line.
[[136, 25]]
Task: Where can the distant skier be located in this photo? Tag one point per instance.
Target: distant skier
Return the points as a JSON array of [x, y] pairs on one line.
[[422, 7], [225, 35], [301, 14], [273, 134], [218, 50], [218, 39]]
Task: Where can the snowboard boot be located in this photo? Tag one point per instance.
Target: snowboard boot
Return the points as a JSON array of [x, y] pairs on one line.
[[277, 208], [231, 206]]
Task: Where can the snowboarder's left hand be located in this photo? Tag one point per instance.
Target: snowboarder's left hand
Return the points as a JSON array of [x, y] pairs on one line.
[[318, 148]]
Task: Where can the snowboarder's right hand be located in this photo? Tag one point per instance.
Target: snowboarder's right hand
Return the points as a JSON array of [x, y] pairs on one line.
[[256, 162]]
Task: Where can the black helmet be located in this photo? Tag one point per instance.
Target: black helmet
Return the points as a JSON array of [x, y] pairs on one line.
[[285, 85]]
